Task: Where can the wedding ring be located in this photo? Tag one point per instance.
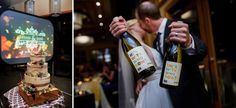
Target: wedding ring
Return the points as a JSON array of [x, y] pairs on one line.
[[176, 34], [180, 21]]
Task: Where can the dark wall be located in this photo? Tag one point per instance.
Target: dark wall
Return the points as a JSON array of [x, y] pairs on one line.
[[223, 22], [124, 8], [62, 57]]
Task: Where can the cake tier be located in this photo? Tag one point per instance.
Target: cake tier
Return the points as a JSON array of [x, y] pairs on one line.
[[33, 68], [37, 58], [39, 98], [39, 83]]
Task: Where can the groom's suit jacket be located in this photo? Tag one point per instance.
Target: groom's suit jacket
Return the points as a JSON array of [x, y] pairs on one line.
[[191, 92]]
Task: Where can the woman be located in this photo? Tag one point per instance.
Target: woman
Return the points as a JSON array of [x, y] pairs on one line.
[[150, 95]]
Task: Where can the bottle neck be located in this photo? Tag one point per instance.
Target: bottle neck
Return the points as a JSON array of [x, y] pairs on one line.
[[124, 34]]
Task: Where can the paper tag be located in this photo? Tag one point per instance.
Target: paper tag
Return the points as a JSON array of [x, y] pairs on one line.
[[172, 73], [139, 59]]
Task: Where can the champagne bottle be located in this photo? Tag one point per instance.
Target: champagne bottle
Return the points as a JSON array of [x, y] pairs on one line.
[[136, 55], [172, 65]]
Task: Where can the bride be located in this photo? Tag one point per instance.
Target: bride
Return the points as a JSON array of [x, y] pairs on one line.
[[150, 94]]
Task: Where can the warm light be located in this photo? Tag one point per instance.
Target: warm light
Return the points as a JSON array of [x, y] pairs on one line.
[[99, 15], [84, 40], [78, 22], [187, 15], [100, 24], [79, 83], [98, 3], [87, 79], [80, 92]]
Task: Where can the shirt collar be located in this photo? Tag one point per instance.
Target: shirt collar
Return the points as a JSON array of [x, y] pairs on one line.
[[162, 26]]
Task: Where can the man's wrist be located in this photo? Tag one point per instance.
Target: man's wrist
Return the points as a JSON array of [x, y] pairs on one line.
[[190, 43]]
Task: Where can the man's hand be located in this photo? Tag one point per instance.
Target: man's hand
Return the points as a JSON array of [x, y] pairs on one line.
[[180, 33], [117, 26], [140, 84]]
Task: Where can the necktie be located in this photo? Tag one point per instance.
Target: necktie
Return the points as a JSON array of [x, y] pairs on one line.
[[158, 44]]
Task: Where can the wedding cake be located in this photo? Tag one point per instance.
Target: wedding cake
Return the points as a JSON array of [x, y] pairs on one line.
[[35, 88], [37, 73]]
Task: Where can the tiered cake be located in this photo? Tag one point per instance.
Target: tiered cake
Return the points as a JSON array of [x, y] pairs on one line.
[[37, 73], [35, 88]]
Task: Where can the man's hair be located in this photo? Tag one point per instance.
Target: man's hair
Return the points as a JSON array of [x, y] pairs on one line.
[[148, 9]]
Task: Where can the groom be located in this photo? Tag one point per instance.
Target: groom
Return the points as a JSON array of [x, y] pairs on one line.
[[191, 92]]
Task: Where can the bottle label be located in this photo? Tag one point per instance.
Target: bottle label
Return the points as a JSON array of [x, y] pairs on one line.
[[139, 58], [172, 73]]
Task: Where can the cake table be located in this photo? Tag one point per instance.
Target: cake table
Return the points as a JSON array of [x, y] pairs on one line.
[[16, 101]]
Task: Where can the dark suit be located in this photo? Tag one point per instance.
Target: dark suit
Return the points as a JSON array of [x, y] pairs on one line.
[[191, 92]]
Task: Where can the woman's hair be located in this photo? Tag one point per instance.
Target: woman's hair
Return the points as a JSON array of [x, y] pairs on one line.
[[135, 29], [131, 22], [147, 39]]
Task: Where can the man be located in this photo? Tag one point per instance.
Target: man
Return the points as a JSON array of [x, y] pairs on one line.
[[191, 92]]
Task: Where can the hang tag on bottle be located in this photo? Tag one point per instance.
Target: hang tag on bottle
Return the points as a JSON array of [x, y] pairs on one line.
[[172, 73]]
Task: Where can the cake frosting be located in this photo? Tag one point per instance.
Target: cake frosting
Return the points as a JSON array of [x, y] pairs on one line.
[[37, 74], [35, 88]]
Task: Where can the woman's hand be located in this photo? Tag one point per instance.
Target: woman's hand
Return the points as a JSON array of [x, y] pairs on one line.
[[140, 84]]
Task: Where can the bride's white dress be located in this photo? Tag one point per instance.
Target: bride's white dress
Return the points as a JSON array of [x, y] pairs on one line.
[[152, 95]]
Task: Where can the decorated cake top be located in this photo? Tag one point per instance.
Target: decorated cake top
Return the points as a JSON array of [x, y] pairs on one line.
[[37, 56], [37, 51], [37, 66]]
